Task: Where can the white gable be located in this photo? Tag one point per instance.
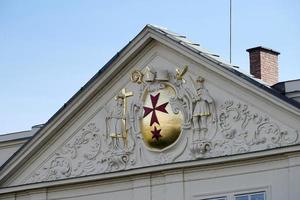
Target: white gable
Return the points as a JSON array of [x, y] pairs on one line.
[[220, 114]]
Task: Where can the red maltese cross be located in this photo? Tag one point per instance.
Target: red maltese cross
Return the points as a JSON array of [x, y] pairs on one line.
[[161, 108]]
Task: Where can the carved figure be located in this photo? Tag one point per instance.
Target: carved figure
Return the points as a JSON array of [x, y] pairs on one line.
[[117, 117], [117, 123], [203, 106]]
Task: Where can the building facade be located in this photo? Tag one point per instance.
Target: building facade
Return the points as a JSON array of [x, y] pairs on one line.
[[163, 119]]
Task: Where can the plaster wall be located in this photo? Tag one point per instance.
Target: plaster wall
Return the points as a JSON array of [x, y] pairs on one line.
[[279, 177]]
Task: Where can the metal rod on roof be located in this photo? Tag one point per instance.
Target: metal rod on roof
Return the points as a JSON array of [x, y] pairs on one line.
[[230, 26]]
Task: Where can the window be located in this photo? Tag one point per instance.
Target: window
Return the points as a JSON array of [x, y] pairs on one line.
[[251, 196], [244, 196], [217, 198]]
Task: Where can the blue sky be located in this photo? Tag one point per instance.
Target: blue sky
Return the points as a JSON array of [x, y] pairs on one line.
[[49, 49]]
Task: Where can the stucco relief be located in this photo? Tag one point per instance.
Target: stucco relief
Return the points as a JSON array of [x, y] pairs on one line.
[[165, 116], [76, 157], [241, 130]]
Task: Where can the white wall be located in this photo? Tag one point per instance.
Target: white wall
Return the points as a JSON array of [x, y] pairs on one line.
[[278, 175]]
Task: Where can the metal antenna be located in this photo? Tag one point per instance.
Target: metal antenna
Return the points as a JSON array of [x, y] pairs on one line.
[[230, 18]]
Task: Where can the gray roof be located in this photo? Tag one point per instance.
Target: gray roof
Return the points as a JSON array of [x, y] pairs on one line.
[[21, 135], [183, 40], [16, 136], [192, 45]]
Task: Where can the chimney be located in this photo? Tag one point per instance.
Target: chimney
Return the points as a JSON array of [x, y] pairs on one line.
[[264, 64]]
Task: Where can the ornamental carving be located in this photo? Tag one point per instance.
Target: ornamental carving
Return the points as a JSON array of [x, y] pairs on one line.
[[74, 158], [162, 116], [242, 130]]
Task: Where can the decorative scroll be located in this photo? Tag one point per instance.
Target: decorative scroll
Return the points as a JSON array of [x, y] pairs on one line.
[[243, 131], [75, 158]]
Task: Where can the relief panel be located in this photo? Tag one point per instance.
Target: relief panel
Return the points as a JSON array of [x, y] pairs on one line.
[[164, 115]]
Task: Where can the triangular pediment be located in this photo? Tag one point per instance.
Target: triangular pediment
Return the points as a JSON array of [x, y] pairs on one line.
[[161, 100]]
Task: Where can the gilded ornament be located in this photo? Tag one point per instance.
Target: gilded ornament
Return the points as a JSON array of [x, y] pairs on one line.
[[137, 77], [160, 126], [180, 74]]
